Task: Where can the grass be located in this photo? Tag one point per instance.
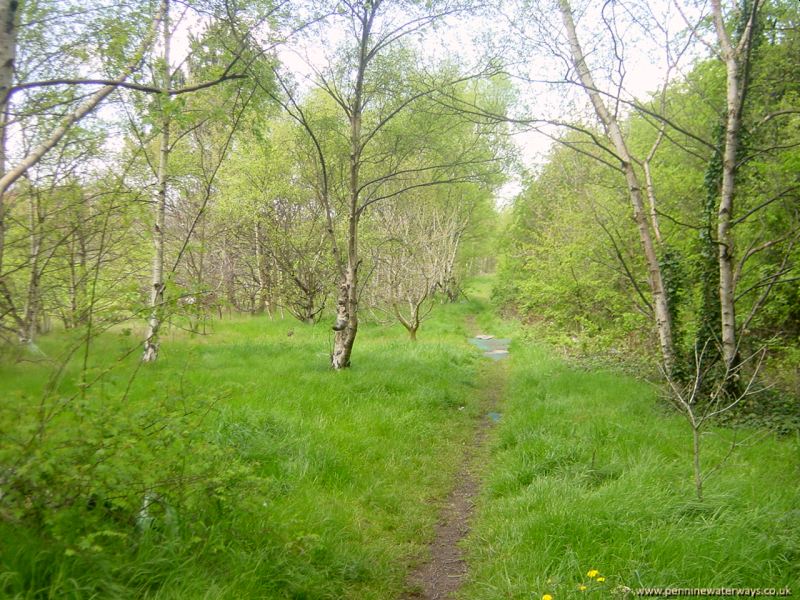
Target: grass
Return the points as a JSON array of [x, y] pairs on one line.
[[588, 472], [274, 477], [277, 478]]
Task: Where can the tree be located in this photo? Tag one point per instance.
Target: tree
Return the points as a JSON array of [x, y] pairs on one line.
[[701, 407], [611, 124], [160, 205], [55, 118], [370, 84], [419, 237]]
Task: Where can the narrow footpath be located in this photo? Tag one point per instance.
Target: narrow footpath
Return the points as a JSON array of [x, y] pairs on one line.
[[444, 572]]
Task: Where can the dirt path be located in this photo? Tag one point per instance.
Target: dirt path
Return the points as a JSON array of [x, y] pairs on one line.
[[446, 570]]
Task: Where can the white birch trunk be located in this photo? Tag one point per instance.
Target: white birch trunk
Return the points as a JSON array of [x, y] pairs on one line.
[[8, 53], [651, 189], [735, 59], [151, 342], [346, 326], [655, 279]]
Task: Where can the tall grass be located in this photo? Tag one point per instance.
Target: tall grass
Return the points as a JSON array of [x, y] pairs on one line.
[[276, 477], [588, 472]]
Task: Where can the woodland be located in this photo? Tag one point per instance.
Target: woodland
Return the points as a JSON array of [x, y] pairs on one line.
[[243, 244]]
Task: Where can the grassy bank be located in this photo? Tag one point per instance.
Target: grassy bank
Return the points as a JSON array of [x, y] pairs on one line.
[[588, 473], [265, 474]]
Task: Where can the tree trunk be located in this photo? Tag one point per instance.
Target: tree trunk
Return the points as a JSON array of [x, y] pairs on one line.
[[449, 281], [735, 59], [724, 233], [698, 473], [157, 291], [262, 273], [8, 53], [201, 266], [77, 272], [640, 215], [411, 324], [33, 301], [70, 316], [229, 279], [651, 191], [346, 325]]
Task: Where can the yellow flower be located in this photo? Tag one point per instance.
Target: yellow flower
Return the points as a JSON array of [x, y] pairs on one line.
[[593, 573], [582, 588], [547, 597], [601, 579]]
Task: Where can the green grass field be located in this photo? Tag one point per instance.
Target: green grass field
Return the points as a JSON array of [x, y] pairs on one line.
[[270, 476], [280, 478], [588, 472]]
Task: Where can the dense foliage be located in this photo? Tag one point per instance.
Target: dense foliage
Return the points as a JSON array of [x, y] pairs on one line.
[[571, 255]]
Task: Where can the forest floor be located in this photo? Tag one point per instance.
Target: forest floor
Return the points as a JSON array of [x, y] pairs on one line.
[[240, 466]]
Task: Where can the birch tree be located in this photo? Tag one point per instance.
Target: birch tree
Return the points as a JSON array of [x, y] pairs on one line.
[[736, 56], [370, 83], [160, 205], [612, 127]]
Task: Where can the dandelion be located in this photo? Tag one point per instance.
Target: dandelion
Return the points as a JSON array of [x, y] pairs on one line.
[[601, 579], [547, 597], [582, 588], [593, 573]]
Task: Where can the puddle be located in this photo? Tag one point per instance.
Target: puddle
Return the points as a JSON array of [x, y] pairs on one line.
[[494, 348]]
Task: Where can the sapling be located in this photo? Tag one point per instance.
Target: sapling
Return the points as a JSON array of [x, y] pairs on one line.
[[700, 405]]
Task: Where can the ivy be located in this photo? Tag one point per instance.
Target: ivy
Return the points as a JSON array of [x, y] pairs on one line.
[[676, 281], [709, 316]]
